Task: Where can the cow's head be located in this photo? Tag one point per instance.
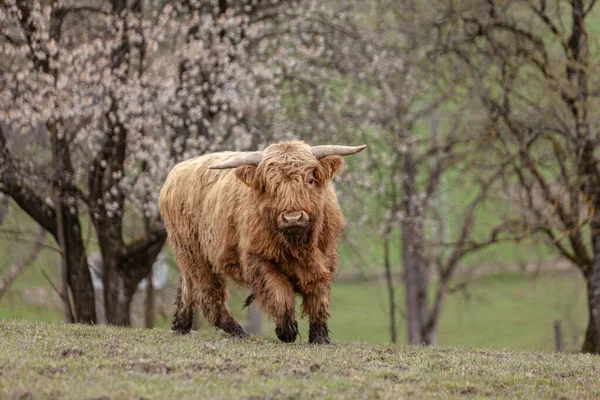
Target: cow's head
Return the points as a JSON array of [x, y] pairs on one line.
[[289, 180]]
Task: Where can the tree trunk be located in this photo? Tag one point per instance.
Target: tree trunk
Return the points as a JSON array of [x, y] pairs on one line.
[[75, 271], [558, 336], [430, 333], [114, 285], [64, 264], [119, 289], [591, 343], [415, 273], [119, 313], [390, 286], [117, 300], [123, 268], [149, 304], [415, 281], [79, 278], [431, 327]]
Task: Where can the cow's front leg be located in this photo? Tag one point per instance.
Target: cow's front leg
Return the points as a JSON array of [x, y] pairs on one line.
[[315, 304], [275, 295]]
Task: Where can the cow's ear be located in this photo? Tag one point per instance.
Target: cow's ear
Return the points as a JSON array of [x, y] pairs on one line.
[[247, 174], [329, 166]]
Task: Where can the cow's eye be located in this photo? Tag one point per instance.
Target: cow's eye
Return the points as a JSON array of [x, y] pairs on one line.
[[312, 179]]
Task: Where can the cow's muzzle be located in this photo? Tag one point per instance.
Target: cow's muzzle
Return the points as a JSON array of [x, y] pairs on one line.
[[291, 220]]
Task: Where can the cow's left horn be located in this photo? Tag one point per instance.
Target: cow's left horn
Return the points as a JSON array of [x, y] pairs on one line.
[[252, 158], [331, 150]]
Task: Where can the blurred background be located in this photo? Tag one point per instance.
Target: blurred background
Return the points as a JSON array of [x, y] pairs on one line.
[[470, 216]]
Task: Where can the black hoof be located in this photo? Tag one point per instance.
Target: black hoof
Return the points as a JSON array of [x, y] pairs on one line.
[[234, 329], [287, 332], [182, 324], [319, 334], [321, 340]]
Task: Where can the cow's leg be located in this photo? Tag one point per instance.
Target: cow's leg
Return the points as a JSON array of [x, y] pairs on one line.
[[315, 304], [275, 295], [184, 302], [212, 295], [200, 286]]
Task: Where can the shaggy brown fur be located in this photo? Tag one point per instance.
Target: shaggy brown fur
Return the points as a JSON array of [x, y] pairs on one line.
[[228, 224]]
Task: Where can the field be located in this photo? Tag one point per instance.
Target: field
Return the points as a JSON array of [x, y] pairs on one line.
[[499, 310], [77, 362]]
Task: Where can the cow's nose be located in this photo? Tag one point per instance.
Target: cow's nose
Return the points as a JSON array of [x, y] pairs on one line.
[[293, 217]]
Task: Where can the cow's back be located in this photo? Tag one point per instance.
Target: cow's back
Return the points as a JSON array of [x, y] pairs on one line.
[[199, 205]]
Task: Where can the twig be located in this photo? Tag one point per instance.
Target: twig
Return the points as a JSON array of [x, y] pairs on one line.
[[52, 284], [3, 207], [58, 292], [29, 241], [22, 263]]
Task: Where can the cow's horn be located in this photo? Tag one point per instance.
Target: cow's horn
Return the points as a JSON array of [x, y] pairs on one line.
[[252, 158], [330, 150]]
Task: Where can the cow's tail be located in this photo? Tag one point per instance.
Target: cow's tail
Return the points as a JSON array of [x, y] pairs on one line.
[[249, 300]]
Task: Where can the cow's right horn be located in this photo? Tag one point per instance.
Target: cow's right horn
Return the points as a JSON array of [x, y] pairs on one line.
[[331, 150], [252, 158]]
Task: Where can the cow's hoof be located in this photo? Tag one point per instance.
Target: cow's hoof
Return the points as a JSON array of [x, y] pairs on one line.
[[239, 335], [321, 340], [182, 324], [235, 330], [318, 334], [287, 332], [180, 331]]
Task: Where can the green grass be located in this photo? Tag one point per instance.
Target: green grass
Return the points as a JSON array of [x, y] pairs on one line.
[[504, 310], [29, 312], [77, 362]]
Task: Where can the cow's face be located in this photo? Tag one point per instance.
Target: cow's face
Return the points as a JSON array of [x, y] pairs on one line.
[[289, 181], [289, 185]]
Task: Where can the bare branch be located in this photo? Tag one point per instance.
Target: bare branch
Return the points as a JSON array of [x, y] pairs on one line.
[[21, 264], [3, 207]]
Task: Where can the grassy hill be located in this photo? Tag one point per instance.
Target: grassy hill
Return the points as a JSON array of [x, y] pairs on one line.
[[78, 362]]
